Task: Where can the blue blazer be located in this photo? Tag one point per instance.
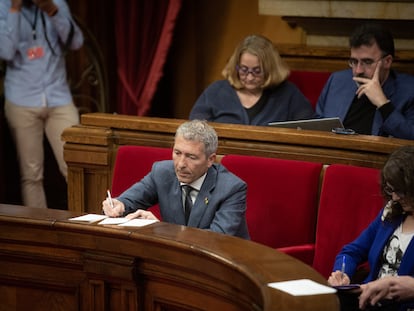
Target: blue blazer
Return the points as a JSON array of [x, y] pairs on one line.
[[339, 91], [219, 103], [220, 205], [370, 245]]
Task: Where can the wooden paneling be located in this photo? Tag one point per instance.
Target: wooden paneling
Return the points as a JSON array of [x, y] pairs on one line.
[[314, 58], [50, 263]]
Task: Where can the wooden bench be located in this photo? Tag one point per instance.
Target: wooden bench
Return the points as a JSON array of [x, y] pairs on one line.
[[91, 147]]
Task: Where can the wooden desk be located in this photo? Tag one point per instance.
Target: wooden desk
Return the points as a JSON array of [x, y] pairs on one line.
[[50, 263], [91, 147]]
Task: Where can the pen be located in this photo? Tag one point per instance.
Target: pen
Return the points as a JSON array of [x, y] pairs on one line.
[[110, 198], [343, 267]]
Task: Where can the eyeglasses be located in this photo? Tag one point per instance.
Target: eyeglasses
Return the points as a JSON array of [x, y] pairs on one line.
[[244, 71], [390, 190], [365, 62]]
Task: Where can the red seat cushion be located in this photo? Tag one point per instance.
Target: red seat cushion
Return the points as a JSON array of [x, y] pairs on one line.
[[310, 83], [281, 198], [350, 199], [132, 163]]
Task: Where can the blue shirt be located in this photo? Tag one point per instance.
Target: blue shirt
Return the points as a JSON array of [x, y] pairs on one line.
[[36, 81]]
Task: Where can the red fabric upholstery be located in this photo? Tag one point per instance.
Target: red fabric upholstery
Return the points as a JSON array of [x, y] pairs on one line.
[[132, 164], [350, 199], [281, 198], [310, 83]]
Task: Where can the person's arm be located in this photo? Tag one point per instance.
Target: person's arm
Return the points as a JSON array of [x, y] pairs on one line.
[[68, 31], [141, 195], [202, 109], [9, 28], [299, 106], [355, 253], [399, 124], [400, 288]]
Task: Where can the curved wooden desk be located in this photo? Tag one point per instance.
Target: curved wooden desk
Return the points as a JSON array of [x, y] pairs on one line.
[[51, 263]]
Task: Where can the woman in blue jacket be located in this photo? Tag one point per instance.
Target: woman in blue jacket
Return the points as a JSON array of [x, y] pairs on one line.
[[387, 243], [255, 90]]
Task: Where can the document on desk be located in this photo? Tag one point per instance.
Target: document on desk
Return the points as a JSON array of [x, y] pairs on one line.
[[89, 218], [138, 222], [125, 222], [113, 221], [302, 287], [120, 221]]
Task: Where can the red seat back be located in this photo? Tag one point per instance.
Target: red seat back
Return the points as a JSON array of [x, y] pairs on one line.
[[310, 83], [132, 163], [350, 199], [281, 198]]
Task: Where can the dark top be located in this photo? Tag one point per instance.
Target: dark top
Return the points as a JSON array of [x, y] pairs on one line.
[[220, 103]]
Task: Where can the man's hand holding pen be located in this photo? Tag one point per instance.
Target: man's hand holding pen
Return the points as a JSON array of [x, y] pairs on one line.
[[113, 207]]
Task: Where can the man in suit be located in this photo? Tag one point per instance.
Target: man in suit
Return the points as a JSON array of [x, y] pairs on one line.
[[217, 198], [370, 97]]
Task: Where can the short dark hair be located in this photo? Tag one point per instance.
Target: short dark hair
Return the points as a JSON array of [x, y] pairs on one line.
[[370, 33]]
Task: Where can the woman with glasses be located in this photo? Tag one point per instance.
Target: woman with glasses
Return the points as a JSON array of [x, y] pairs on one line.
[[255, 90], [370, 97], [387, 244]]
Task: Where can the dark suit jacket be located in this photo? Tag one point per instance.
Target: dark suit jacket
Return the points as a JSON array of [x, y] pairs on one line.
[[339, 91], [220, 205]]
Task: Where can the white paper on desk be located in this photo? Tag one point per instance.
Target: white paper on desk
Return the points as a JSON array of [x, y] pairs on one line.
[[113, 221], [138, 222], [302, 287], [89, 217]]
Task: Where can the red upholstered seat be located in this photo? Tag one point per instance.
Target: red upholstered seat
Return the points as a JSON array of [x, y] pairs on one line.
[[350, 199], [282, 198], [310, 83], [132, 163]]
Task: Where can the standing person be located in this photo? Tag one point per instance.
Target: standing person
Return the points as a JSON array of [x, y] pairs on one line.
[[387, 244], [255, 90], [370, 97], [218, 198], [34, 36]]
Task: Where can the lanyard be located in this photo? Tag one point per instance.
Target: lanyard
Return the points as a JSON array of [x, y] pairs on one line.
[[33, 25]]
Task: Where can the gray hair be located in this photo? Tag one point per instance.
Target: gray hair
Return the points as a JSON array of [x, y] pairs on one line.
[[198, 130]]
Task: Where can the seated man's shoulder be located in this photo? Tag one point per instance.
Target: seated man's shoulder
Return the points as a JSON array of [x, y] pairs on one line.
[[226, 176], [163, 165], [342, 74], [405, 79]]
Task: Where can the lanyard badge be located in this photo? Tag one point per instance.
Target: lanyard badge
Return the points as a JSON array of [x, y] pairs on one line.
[[34, 52]]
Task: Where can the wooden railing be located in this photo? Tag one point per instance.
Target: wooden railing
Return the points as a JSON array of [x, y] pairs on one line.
[[91, 147], [51, 263]]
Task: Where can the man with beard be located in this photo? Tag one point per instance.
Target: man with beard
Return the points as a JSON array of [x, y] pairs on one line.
[[191, 189], [34, 36], [371, 98]]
